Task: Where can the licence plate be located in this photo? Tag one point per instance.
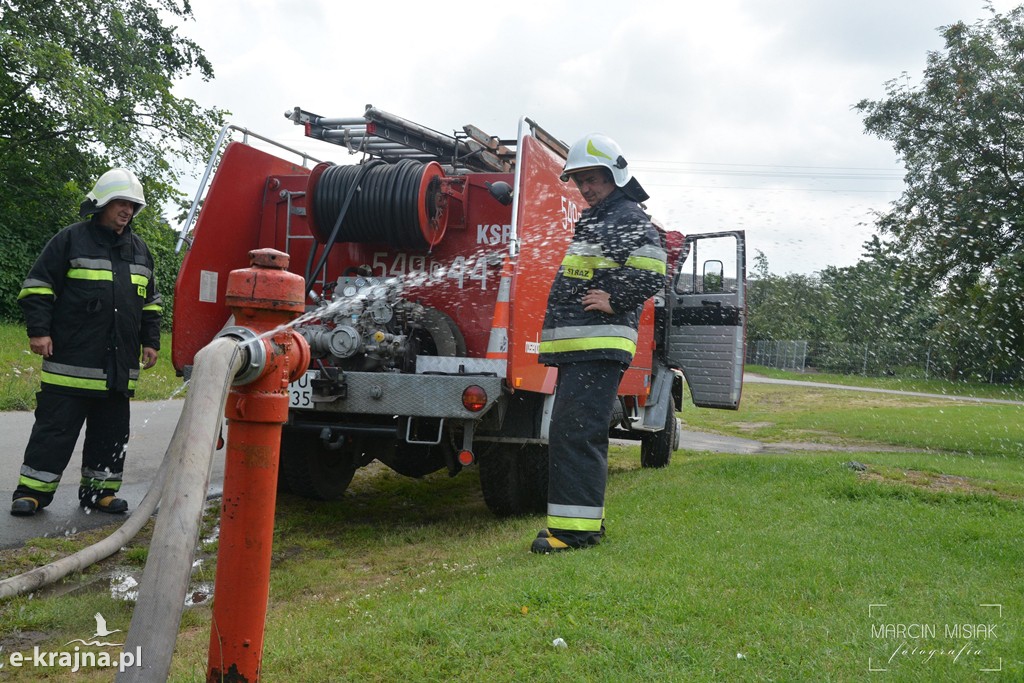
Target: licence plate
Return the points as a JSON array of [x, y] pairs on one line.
[[300, 392]]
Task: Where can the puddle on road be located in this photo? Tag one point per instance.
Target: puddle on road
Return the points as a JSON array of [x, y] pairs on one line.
[[122, 583]]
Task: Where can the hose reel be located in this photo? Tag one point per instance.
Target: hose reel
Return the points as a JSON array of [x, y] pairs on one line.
[[403, 205]]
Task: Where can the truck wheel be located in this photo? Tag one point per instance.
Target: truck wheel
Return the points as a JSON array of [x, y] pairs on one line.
[[312, 470], [514, 479], [443, 337], [656, 448]]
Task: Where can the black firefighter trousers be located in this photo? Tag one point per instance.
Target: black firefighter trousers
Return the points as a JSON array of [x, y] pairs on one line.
[[59, 420], [578, 448]]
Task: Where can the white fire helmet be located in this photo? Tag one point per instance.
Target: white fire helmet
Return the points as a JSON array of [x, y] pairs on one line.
[[600, 151], [117, 183]]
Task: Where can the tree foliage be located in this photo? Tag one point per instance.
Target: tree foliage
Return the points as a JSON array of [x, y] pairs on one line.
[[958, 228], [960, 135], [863, 318], [87, 84], [783, 306]]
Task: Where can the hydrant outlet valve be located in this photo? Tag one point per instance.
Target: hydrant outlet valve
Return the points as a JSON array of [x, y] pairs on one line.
[[254, 352]]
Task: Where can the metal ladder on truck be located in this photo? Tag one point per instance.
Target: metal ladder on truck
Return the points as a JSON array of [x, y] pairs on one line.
[[389, 137]]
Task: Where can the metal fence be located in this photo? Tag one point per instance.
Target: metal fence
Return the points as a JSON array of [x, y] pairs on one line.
[[784, 355], [881, 359], [874, 359]]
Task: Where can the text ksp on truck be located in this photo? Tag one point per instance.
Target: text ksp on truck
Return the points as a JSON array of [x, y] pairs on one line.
[[428, 265]]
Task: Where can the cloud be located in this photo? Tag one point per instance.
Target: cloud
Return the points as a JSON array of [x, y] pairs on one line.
[[877, 32]]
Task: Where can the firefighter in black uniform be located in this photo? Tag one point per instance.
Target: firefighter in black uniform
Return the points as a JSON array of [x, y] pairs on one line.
[[90, 302], [614, 263]]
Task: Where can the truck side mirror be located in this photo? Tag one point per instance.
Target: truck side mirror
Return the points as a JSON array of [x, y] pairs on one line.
[[714, 276]]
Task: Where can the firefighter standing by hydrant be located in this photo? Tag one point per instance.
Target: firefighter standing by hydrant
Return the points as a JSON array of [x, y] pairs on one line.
[[614, 263], [90, 303]]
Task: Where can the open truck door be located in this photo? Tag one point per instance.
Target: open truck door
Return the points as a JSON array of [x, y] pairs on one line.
[[706, 301]]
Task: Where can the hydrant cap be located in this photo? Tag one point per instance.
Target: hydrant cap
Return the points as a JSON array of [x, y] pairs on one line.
[[269, 258], [266, 284]]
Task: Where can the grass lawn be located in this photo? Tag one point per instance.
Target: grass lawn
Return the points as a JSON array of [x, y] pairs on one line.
[[779, 413], [720, 568], [813, 565], [918, 384]]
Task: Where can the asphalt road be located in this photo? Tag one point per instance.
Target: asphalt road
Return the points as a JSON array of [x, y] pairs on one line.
[[153, 423]]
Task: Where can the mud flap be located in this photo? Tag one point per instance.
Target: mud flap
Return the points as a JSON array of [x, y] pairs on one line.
[[660, 402]]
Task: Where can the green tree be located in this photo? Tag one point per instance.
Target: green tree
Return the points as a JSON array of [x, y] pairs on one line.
[[958, 228], [87, 85], [871, 323], [866, 303], [781, 308], [966, 341]]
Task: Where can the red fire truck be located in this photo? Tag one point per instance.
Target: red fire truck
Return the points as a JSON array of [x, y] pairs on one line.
[[428, 265]]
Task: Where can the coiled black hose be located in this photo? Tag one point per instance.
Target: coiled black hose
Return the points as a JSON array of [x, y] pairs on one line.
[[384, 207], [341, 211]]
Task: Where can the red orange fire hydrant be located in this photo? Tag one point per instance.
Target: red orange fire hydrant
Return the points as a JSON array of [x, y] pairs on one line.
[[263, 298]]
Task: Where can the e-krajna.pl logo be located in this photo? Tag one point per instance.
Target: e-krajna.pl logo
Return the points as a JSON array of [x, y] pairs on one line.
[[77, 658]]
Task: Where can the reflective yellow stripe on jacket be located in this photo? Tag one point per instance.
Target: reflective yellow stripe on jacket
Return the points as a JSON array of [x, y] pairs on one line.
[[76, 377], [32, 286], [587, 338], [648, 257], [100, 270]]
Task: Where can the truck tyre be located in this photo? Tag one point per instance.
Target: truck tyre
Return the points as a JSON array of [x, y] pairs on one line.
[[514, 478], [311, 469], [443, 337], [656, 448]]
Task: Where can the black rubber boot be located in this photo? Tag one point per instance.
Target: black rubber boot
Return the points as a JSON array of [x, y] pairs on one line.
[[559, 541], [105, 502], [24, 507]]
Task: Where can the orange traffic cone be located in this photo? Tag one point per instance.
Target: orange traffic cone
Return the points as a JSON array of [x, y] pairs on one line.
[[497, 344]]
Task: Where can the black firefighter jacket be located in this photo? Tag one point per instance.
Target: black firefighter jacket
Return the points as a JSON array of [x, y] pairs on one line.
[[616, 249], [93, 292]]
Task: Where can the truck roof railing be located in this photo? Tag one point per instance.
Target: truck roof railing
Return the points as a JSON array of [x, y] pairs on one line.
[[225, 133], [386, 136]]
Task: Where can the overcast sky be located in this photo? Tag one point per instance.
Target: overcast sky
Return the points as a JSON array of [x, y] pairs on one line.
[[732, 113]]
